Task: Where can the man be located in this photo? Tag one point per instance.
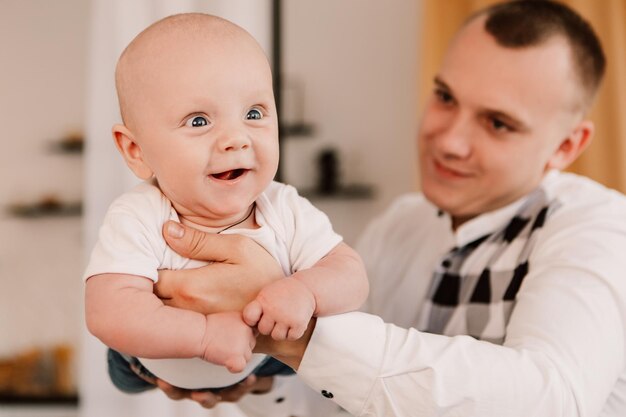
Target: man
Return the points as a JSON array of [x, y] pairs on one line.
[[505, 278]]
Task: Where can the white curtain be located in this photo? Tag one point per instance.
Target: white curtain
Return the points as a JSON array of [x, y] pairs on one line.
[[113, 24]]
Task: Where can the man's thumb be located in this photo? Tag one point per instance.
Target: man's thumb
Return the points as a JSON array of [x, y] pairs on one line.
[[189, 242]]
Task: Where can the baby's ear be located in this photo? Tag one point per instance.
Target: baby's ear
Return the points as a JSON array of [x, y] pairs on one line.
[[131, 151]]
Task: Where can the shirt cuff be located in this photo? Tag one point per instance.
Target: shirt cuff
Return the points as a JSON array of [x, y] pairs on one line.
[[342, 360]]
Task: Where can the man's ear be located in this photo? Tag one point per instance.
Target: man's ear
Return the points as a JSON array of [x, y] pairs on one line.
[[131, 151], [572, 146]]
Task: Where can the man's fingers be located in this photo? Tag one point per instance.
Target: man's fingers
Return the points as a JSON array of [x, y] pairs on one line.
[[234, 393], [195, 244], [141, 374], [171, 391], [262, 384], [205, 398]]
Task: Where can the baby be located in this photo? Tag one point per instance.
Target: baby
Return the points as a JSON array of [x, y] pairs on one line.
[[200, 128]]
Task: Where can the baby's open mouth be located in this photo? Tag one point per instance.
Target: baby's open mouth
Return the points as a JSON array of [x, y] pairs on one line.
[[229, 175]]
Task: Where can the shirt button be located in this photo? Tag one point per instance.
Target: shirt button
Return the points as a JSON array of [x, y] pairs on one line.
[[446, 263], [327, 394]]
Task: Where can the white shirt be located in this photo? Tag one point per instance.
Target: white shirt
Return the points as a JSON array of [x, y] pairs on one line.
[[564, 353], [130, 240]]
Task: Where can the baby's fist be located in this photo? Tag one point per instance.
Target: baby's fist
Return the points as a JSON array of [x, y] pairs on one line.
[[228, 341], [282, 309]]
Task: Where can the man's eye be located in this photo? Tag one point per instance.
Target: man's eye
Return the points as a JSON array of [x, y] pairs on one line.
[[254, 114], [498, 125], [196, 121], [443, 96]]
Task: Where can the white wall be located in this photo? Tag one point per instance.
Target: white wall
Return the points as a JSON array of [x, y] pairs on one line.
[[42, 76], [356, 61]]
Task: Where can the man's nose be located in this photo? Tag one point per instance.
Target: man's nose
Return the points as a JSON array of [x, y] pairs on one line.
[[455, 139]]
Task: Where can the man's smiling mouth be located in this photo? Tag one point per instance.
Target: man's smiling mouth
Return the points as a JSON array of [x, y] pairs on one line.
[[229, 175]]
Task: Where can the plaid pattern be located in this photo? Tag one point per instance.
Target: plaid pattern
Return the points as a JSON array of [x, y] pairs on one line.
[[474, 287]]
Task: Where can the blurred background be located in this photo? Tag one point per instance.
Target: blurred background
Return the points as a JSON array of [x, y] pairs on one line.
[[352, 75]]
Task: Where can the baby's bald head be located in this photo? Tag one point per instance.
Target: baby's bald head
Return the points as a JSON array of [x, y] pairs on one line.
[[159, 45]]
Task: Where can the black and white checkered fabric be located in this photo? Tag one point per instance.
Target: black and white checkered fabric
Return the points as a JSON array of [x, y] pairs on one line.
[[474, 287]]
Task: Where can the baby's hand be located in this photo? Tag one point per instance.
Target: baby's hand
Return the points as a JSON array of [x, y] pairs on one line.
[[282, 309], [229, 341]]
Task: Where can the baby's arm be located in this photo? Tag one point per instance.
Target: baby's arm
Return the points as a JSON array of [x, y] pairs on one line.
[[122, 311], [337, 283]]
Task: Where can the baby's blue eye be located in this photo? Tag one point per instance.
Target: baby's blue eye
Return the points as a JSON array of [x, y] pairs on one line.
[[197, 121], [254, 114]]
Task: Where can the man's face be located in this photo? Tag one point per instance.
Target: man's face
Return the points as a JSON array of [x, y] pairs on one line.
[[207, 126], [494, 122]]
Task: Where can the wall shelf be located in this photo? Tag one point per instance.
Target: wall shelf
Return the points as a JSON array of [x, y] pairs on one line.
[[346, 192], [46, 208], [296, 130], [38, 400]]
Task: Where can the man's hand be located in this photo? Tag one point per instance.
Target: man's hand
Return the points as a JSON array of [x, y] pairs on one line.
[[239, 269], [282, 309], [209, 399]]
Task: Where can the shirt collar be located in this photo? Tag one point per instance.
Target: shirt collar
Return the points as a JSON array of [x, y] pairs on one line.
[[491, 221]]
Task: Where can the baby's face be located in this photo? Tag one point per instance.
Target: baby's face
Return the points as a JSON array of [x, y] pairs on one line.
[[207, 126]]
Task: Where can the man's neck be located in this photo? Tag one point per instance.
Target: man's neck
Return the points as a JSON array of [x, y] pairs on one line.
[[457, 221]]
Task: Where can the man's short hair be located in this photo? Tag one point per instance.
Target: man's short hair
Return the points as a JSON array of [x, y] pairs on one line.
[[523, 23]]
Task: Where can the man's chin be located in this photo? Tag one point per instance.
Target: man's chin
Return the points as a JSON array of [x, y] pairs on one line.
[[454, 209], [439, 197]]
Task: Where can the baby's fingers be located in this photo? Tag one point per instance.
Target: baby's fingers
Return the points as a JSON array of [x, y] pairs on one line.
[[295, 332], [266, 325], [252, 313], [235, 364], [205, 398], [280, 331]]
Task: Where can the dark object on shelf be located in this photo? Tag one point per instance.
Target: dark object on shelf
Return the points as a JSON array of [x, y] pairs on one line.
[[343, 192], [299, 129], [72, 143], [47, 206], [328, 172]]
